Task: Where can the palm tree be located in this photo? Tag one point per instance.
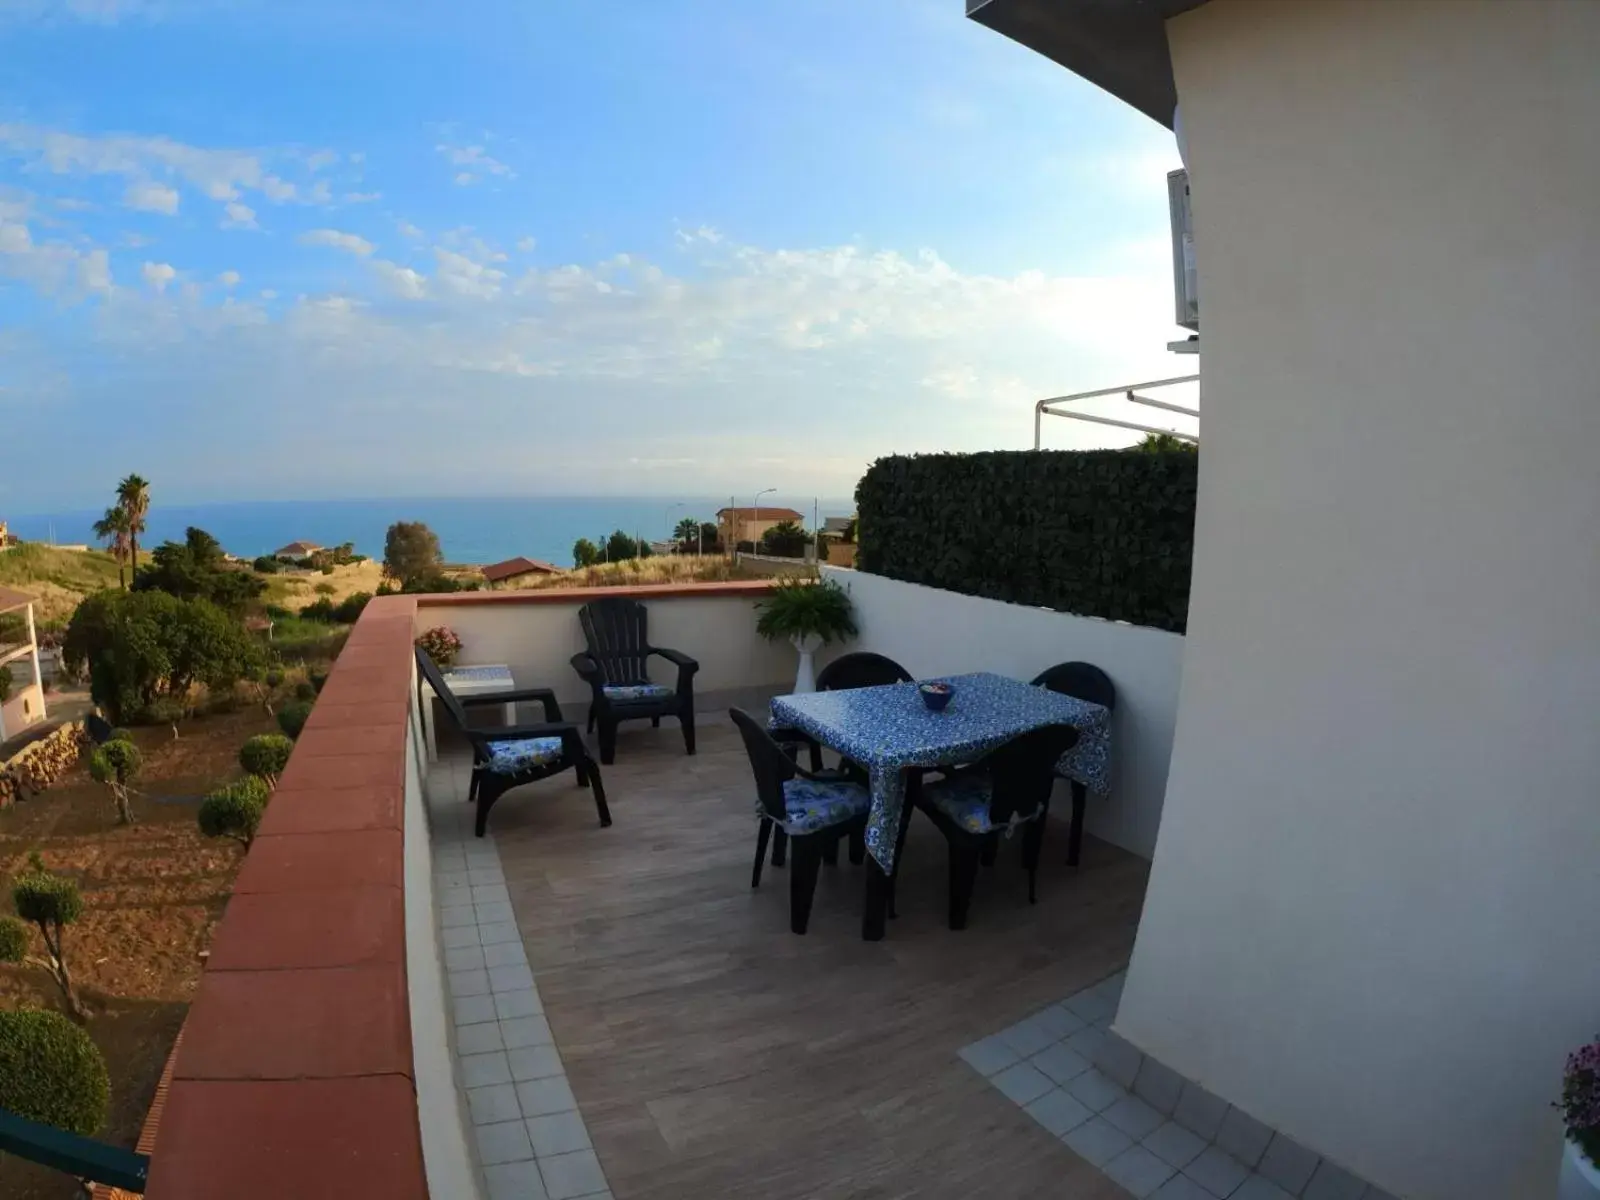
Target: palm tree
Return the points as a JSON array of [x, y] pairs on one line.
[[686, 533], [116, 531], [133, 495]]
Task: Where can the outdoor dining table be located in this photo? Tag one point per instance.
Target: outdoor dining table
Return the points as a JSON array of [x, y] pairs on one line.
[[889, 731]]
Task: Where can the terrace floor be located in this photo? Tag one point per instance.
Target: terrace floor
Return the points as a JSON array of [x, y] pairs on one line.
[[714, 1053]]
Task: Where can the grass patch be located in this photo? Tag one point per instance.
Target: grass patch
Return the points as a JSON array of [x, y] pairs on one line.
[[59, 578], [664, 568]]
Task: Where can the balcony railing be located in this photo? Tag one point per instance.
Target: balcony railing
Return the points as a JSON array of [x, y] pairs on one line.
[[81, 1157]]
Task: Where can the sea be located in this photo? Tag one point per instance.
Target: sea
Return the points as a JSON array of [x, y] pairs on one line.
[[471, 530]]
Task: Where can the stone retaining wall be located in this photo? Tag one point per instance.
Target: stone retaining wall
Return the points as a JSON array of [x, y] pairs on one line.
[[39, 764]]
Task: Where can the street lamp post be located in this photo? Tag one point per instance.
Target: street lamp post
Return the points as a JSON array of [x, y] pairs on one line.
[[755, 510]]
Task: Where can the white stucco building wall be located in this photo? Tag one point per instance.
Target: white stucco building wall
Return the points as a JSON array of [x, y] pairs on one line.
[[1375, 901], [930, 631]]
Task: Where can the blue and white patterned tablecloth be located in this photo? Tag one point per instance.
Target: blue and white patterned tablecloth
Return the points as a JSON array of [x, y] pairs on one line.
[[887, 729], [478, 675]]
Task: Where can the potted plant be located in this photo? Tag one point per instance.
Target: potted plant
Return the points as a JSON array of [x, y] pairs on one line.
[[441, 643], [810, 613], [1580, 1108]]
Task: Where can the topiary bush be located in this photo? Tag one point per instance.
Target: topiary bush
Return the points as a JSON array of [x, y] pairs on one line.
[[293, 717], [1103, 533], [116, 764], [266, 755], [305, 690], [52, 903], [51, 1071], [235, 811]]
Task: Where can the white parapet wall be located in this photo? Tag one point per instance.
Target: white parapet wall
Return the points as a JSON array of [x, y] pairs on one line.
[[536, 634], [934, 632]]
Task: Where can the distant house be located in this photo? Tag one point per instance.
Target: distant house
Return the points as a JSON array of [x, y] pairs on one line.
[[516, 568], [22, 700], [735, 525], [296, 550], [6, 540], [836, 526]]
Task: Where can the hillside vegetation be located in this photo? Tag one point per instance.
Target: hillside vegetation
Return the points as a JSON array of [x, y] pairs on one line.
[[60, 578]]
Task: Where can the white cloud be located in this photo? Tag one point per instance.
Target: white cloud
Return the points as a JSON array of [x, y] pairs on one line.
[[53, 268], [362, 197], [349, 242], [407, 229], [158, 275], [526, 244], [466, 277], [135, 241], [277, 190], [238, 216], [269, 294], [400, 281], [229, 279], [322, 158], [473, 163], [149, 196]]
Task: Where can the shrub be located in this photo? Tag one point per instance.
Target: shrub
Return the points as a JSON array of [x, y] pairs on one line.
[[349, 610], [266, 755], [51, 902], [235, 811], [274, 678], [292, 718], [318, 680], [306, 690], [441, 643], [52, 1072], [13, 941], [267, 565], [142, 647], [319, 610], [786, 539], [1101, 533], [116, 764], [326, 570], [324, 589]]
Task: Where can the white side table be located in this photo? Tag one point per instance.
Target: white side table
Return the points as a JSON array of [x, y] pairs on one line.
[[466, 681]]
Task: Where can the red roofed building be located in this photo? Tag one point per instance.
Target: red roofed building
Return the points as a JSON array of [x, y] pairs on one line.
[[735, 525], [515, 568]]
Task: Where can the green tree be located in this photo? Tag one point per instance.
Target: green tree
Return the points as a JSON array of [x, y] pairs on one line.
[[411, 554], [52, 1072], [786, 539], [1161, 443], [51, 902], [133, 497], [292, 718], [113, 529], [620, 546], [143, 646], [235, 811], [687, 534], [585, 553], [117, 764], [197, 569], [266, 755]]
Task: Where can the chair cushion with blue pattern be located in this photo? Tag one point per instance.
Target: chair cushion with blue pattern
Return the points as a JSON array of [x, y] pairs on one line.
[[513, 758], [623, 692], [815, 804], [965, 800]]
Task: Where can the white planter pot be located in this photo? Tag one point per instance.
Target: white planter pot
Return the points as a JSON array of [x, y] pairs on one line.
[[805, 679], [1580, 1178]]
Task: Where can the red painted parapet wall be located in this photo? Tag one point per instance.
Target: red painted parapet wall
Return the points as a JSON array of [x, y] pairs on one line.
[[295, 1076]]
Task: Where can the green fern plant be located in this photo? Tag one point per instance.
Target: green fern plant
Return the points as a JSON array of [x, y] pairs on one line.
[[797, 607]]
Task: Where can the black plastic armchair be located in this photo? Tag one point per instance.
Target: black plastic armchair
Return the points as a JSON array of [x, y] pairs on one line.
[[507, 758], [1082, 681], [615, 668]]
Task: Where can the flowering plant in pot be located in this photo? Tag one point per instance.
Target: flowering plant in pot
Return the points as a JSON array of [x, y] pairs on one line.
[[441, 643], [1580, 1109], [810, 613]]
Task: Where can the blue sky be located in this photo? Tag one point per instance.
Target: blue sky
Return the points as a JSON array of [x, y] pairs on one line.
[[361, 248]]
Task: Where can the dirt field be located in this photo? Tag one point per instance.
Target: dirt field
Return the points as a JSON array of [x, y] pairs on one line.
[[152, 895]]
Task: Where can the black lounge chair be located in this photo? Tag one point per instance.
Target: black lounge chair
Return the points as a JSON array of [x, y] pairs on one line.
[[507, 758], [614, 667]]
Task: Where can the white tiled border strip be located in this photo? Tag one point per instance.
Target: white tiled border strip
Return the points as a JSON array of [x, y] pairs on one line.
[[532, 1142], [1145, 1126]]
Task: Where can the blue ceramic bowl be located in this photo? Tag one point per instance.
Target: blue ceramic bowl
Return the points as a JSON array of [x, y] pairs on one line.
[[936, 695]]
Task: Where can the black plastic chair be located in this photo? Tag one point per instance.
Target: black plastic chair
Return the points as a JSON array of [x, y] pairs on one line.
[[814, 809], [1082, 681], [977, 805], [507, 758], [614, 667]]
